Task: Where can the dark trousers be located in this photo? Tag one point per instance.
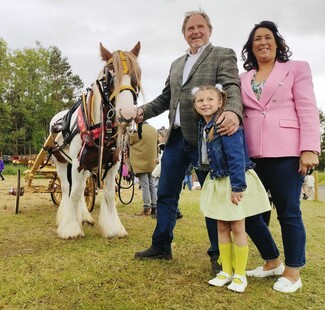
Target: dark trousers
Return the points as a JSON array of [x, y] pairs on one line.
[[178, 154], [281, 177]]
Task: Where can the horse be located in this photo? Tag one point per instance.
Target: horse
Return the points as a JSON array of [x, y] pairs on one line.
[[92, 134]]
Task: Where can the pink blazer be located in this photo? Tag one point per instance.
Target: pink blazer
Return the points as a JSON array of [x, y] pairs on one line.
[[285, 121]]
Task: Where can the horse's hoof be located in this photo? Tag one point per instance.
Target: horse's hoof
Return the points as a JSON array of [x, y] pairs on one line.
[[118, 236], [69, 236]]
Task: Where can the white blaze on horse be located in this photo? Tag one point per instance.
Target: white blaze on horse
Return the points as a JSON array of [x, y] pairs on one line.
[[91, 135]]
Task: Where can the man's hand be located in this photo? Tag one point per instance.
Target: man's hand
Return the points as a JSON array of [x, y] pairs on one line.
[[139, 117], [228, 123]]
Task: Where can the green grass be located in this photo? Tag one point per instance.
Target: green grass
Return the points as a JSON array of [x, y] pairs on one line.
[[40, 271], [321, 178], [12, 169]]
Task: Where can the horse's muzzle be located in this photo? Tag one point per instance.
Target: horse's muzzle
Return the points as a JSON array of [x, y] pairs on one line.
[[123, 120]]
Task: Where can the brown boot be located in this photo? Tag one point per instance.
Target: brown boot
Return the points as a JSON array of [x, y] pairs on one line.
[[146, 211]]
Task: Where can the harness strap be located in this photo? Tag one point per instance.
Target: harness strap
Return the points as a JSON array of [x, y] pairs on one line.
[[124, 62], [125, 87], [84, 108]]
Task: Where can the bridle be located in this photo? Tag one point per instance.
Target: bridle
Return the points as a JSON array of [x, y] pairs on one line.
[[106, 86], [106, 83]]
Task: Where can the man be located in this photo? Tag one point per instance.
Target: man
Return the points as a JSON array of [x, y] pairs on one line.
[[203, 64], [143, 155]]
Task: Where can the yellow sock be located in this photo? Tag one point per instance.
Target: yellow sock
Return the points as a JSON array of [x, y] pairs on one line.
[[233, 251], [241, 256], [226, 258]]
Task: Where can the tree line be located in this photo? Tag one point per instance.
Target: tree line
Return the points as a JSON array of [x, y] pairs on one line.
[[36, 83]]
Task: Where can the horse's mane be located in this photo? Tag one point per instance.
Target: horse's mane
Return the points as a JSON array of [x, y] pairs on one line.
[[133, 70]]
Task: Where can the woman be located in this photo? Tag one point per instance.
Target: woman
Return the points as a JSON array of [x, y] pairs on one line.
[[281, 123]]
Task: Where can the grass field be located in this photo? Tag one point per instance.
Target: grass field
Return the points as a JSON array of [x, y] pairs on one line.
[[40, 271]]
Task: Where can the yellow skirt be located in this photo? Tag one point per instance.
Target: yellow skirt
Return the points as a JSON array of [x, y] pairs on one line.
[[215, 197]]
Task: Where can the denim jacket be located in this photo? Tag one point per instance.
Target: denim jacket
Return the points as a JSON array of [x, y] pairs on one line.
[[227, 155]]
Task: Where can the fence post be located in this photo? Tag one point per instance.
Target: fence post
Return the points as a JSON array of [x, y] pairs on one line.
[[316, 185]]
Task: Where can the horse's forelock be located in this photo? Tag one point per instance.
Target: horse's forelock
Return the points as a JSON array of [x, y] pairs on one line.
[[133, 69]]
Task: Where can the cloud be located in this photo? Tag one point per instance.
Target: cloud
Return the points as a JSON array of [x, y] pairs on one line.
[[77, 26]]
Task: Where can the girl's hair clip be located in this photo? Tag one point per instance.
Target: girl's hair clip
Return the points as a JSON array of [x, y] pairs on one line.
[[219, 86], [195, 90]]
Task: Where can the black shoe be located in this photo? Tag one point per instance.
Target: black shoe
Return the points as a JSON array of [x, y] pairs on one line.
[[154, 213], [179, 215], [215, 266], [152, 253]]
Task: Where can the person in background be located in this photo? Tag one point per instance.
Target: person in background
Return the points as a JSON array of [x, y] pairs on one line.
[[201, 64], [143, 155], [188, 177], [282, 129], [232, 190], [2, 167], [309, 185], [162, 132]]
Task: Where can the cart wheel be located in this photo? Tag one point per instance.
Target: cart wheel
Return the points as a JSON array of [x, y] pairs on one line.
[[18, 192], [56, 195], [89, 193]]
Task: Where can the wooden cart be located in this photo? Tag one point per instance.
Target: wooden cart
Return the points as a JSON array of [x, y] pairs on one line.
[[43, 168]]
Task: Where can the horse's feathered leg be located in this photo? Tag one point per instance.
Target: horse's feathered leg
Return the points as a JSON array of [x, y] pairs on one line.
[[65, 187], [70, 224], [109, 221]]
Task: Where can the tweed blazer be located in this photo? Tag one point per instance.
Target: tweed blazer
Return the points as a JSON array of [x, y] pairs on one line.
[[285, 121], [215, 65]]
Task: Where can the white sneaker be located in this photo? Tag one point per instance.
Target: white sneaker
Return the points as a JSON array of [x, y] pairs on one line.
[[286, 286], [235, 287], [221, 282], [260, 273]]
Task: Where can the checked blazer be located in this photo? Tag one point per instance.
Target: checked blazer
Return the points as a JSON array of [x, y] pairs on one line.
[[215, 65]]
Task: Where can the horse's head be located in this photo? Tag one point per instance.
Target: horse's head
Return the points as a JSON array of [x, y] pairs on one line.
[[121, 79]]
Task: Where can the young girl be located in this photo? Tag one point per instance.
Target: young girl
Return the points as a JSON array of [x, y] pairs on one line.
[[232, 191]]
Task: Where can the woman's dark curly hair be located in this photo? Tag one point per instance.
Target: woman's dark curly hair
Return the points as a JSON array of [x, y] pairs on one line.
[[283, 52]]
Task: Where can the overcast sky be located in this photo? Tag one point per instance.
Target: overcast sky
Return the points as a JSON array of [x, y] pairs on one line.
[[77, 26]]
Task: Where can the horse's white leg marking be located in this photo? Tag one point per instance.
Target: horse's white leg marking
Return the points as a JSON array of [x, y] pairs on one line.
[[70, 220], [109, 221], [62, 173]]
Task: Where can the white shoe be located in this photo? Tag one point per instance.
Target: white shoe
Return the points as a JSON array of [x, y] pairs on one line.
[[286, 286], [221, 282], [235, 287], [260, 273]]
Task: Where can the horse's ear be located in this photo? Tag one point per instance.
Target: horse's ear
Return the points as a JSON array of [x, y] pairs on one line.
[[106, 55], [136, 49]]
